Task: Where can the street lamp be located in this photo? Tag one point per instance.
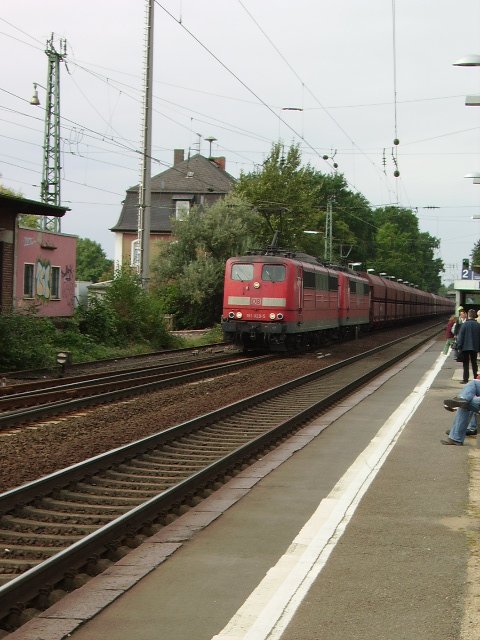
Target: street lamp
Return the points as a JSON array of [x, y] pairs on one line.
[[35, 100], [470, 60]]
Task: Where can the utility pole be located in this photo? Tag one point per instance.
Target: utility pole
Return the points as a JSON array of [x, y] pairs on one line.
[[144, 188], [50, 185], [327, 254]]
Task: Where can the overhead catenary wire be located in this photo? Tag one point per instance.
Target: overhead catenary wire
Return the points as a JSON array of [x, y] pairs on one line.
[[249, 89]]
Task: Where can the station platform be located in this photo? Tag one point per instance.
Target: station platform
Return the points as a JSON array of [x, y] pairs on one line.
[[361, 526]]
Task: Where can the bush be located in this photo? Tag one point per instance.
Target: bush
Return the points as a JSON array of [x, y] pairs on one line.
[[27, 341], [97, 321]]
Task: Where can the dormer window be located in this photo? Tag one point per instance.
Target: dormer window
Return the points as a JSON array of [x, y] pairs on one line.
[[183, 202]]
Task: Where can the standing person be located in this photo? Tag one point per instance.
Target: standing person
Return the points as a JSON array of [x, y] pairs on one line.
[[468, 341], [449, 334], [466, 403], [462, 317]]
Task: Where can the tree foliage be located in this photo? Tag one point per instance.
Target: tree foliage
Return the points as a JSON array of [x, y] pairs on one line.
[[92, 262], [283, 192], [476, 255], [292, 198], [403, 251], [187, 274], [125, 314]]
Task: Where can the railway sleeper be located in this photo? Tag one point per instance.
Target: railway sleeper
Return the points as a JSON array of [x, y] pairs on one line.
[[81, 510], [154, 470], [46, 527], [15, 551], [99, 499], [117, 475], [209, 448], [30, 538], [183, 454], [129, 483], [159, 457], [116, 490], [232, 438], [15, 566]]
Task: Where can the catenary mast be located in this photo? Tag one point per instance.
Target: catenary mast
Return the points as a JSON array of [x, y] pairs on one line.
[[144, 188]]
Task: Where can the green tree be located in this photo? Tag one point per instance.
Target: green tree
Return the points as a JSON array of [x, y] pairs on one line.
[[403, 251], [5, 191], [92, 262], [292, 198], [30, 221], [283, 192], [476, 255], [25, 220], [187, 274]]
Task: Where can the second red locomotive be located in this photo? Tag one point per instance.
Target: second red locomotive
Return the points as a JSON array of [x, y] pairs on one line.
[[287, 301]]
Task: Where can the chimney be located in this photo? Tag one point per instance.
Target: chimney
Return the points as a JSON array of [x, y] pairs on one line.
[[178, 156], [220, 162]]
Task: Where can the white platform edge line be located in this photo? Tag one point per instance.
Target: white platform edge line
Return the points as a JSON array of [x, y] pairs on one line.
[[270, 607]]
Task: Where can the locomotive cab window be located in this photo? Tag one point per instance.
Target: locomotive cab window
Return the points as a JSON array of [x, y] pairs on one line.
[[273, 272], [243, 272]]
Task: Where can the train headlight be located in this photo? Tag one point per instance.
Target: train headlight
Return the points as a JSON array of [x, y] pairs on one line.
[[239, 315], [279, 316], [231, 315], [272, 316]]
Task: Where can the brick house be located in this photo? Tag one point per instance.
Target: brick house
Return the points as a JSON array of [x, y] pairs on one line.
[[194, 181], [37, 268]]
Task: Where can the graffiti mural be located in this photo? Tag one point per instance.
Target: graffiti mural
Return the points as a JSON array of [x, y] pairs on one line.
[[43, 272], [68, 277]]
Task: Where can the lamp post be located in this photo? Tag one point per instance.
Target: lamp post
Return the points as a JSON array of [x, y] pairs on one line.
[[210, 139]]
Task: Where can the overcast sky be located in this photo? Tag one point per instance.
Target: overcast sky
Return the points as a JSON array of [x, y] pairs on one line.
[[228, 69]]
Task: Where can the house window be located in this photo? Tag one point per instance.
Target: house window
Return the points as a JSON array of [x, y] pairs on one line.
[[55, 286], [135, 253], [28, 271], [182, 207]]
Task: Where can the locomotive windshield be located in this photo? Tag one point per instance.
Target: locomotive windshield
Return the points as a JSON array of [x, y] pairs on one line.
[[243, 272], [273, 272]]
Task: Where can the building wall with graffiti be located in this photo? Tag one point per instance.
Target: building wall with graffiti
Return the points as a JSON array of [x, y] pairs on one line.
[[45, 272]]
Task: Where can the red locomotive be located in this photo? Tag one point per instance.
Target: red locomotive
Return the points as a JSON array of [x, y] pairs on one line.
[[288, 301]]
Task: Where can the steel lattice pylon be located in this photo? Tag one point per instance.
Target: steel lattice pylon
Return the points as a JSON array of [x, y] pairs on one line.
[[50, 186]]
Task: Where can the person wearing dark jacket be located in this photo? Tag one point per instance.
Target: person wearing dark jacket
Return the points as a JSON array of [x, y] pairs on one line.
[[468, 341]]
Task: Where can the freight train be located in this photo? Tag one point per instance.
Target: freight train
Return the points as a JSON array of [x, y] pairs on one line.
[[282, 300]]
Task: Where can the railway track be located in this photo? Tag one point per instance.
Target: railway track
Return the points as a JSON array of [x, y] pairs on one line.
[[33, 401], [56, 526], [110, 364]]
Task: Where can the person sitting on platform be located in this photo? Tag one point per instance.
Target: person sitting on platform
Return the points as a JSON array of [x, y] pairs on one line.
[[466, 403]]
